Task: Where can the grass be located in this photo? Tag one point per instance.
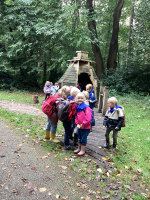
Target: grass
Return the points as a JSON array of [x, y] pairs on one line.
[[132, 157], [134, 139]]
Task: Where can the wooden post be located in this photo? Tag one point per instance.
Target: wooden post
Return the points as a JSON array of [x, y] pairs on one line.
[[35, 99], [105, 99], [100, 101]]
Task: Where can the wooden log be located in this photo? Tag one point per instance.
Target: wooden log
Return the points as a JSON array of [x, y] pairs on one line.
[[105, 99], [35, 99], [100, 102]]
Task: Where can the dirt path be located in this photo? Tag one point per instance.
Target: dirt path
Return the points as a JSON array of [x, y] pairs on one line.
[[21, 108], [27, 170]]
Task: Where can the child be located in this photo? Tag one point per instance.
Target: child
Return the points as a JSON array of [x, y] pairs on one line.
[[92, 99], [53, 119], [86, 94], [47, 89], [83, 121], [113, 121], [54, 88], [69, 125]]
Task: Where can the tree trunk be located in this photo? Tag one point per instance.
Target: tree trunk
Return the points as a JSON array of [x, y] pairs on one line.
[[44, 72], [93, 35], [113, 49], [131, 28]]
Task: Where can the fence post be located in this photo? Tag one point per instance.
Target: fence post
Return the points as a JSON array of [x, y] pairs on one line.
[[105, 99], [100, 102]]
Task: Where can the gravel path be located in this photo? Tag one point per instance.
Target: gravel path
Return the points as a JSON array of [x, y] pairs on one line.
[[18, 107], [29, 172]]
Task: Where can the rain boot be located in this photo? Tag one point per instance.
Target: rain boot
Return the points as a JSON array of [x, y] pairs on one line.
[[106, 145], [78, 149], [113, 147], [47, 134], [52, 138], [75, 139], [82, 152]]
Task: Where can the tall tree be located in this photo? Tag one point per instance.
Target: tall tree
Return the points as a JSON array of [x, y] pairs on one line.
[[113, 50], [94, 39]]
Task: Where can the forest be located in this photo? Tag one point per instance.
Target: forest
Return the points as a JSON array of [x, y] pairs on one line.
[[37, 37]]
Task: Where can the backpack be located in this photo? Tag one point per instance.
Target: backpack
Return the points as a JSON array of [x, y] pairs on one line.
[[92, 119], [123, 124], [47, 105], [63, 110]]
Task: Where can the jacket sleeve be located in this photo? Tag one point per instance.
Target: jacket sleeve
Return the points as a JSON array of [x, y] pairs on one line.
[[88, 116], [93, 99], [72, 110], [76, 120], [120, 118], [105, 119]]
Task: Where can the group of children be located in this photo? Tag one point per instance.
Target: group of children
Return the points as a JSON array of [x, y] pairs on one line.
[[50, 89], [80, 115]]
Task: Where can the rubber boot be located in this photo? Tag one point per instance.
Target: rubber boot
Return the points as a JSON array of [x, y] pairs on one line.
[[106, 145], [52, 138], [78, 149], [75, 139], [47, 134], [82, 152], [113, 147]]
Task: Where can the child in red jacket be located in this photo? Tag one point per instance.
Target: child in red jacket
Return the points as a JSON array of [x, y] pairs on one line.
[[69, 125], [83, 121]]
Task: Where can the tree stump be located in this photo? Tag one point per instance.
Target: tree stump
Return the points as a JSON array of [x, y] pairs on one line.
[[35, 99]]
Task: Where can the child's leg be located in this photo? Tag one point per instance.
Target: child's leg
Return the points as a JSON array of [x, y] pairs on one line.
[[53, 132], [47, 131], [84, 134], [79, 145], [115, 133], [67, 127], [106, 145]]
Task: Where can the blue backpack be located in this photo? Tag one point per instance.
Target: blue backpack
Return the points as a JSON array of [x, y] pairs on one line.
[[92, 119]]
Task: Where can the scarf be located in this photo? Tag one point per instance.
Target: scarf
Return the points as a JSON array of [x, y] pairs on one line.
[[81, 107], [115, 108], [48, 86], [71, 98]]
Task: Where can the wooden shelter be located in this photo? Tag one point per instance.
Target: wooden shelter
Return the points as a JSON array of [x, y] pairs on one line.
[[81, 71]]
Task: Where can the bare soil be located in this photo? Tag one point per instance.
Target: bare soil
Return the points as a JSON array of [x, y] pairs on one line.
[[17, 107]]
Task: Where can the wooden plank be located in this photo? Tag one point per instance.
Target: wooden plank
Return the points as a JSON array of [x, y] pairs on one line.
[[105, 99]]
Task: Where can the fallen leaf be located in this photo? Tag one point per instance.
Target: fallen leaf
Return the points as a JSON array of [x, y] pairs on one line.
[[33, 168], [126, 167], [64, 197], [44, 157], [98, 192], [63, 167], [57, 196], [87, 198], [139, 170], [15, 191], [42, 189], [103, 158], [99, 170], [44, 140]]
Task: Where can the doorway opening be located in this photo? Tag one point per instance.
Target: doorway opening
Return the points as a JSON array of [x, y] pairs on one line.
[[83, 80]]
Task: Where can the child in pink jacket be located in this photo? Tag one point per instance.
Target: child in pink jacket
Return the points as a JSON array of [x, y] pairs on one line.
[[83, 121]]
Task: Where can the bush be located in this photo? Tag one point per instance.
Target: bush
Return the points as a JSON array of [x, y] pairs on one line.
[[129, 79]]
